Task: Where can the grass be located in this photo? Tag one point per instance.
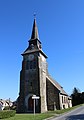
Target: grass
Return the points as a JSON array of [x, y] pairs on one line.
[[30, 116], [65, 110], [39, 116]]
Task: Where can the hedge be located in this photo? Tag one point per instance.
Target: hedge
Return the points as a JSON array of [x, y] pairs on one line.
[[7, 113]]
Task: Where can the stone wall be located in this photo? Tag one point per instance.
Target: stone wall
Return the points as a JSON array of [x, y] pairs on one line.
[[52, 96], [42, 79]]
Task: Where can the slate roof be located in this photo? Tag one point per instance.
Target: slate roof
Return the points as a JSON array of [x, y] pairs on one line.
[[27, 51], [5, 102], [57, 85], [34, 31]]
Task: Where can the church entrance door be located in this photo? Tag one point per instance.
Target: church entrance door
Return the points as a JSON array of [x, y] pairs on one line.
[[30, 104]]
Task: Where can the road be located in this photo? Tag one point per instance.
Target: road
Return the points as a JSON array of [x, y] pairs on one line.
[[76, 114]]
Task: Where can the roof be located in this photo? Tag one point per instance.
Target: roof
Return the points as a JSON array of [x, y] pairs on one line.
[[57, 85], [28, 51], [69, 98], [34, 31], [5, 101]]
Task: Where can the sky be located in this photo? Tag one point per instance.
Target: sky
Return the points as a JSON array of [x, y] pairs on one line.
[[61, 31]]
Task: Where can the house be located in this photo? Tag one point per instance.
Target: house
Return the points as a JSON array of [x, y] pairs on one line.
[[5, 103], [1, 106]]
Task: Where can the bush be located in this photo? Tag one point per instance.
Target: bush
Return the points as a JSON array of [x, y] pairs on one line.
[[7, 108], [7, 113], [10, 108], [13, 108]]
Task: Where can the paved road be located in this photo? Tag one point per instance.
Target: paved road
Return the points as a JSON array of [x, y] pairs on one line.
[[77, 114]]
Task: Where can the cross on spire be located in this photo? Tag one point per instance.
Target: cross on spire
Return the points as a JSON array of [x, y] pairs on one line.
[[34, 15]]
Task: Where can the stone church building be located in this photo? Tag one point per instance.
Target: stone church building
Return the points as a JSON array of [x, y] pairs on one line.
[[35, 80]]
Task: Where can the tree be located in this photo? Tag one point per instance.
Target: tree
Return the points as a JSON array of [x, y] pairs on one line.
[[76, 91], [82, 97], [76, 97]]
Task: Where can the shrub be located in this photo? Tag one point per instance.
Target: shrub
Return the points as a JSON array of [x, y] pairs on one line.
[[10, 108], [13, 108], [7, 108], [7, 113]]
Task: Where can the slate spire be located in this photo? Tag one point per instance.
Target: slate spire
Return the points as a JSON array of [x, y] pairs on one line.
[[34, 34]]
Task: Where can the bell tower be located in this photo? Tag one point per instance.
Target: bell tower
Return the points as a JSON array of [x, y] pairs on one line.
[[33, 76]]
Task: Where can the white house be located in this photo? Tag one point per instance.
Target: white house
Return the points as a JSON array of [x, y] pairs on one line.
[[5, 103]]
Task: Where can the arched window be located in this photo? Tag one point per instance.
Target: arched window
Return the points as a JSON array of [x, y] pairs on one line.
[[30, 65], [34, 64], [27, 65]]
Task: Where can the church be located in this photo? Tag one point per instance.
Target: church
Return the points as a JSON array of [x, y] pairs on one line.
[[35, 80]]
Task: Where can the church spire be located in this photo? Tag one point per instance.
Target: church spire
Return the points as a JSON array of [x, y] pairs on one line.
[[34, 31]]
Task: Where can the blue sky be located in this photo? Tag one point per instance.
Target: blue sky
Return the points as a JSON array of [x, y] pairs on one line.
[[61, 31]]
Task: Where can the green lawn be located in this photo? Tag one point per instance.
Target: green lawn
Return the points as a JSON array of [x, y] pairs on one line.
[[39, 116], [30, 116]]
